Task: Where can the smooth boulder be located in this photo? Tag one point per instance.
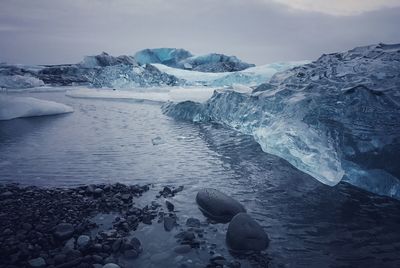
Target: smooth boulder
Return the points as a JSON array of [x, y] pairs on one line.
[[217, 205], [245, 234]]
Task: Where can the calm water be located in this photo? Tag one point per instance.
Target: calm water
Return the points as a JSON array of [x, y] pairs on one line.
[[309, 224]]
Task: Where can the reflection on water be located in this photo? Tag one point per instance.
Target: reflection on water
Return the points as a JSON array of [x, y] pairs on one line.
[[310, 224]]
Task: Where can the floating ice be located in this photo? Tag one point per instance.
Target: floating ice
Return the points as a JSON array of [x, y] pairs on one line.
[[183, 59], [335, 118], [159, 95], [14, 107], [19, 81]]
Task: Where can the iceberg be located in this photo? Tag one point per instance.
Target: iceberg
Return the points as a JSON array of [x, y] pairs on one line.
[[183, 59], [14, 107], [252, 76], [336, 119]]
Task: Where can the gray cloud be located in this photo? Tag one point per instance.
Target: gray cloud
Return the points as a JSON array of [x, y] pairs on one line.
[[259, 31]]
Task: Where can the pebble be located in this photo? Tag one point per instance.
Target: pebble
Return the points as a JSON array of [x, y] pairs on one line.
[[83, 241], [111, 265], [193, 222], [64, 231], [38, 262]]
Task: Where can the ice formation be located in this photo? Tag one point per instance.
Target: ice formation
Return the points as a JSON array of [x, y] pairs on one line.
[[183, 59], [250, 77], [336, 118], [14, 107]]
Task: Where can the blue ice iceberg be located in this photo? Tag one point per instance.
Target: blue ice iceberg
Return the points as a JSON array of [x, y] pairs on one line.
[[183, 59], [337, 118]]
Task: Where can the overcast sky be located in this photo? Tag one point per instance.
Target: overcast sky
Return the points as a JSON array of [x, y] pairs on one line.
[[257, 31]]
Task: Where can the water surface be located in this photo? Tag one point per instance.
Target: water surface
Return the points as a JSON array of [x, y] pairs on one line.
[[309, 224]]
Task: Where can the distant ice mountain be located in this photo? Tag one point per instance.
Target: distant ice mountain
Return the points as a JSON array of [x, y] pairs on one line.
[[183, 59], [104, 70], [336, 118]]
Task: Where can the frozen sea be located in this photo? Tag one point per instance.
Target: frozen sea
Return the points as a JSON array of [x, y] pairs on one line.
[[131, 141]]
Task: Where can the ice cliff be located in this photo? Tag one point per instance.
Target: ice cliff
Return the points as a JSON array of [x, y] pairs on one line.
[[336, 118]]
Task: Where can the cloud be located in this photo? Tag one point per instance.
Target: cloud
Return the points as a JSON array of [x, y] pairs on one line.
[[340, 7]]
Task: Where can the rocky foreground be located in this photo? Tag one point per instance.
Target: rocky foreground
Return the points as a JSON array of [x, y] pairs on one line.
[[54, 227]]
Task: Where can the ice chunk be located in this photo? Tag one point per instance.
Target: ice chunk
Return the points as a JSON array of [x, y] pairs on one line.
[[334, 118], [19, 81], [249, 77], [183, 59], [13, 107], [160, 95]]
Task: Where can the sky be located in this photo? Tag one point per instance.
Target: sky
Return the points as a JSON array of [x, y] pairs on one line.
[[256, 31]]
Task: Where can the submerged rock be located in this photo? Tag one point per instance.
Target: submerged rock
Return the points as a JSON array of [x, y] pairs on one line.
[[217, 205], [64, 231], [245, 234]]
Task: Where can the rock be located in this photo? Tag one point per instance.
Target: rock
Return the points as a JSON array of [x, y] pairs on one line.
[[7, 231], [83, 241], [38, 262], [217, 205], [245, 234], [193, 222], [169, 223], [64, 231], [170, 206], [183, 249], [96, 265], [111, 265]]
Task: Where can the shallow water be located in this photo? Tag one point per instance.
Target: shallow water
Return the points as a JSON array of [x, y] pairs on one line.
[[309, 224]]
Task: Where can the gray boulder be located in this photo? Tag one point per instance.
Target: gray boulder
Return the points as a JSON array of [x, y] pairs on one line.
[[217, 205], [245, 234]]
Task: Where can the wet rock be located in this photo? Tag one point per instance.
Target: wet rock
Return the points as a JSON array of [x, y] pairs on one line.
[[182, 249], [217, 205], [38, 262], [245, 234], [64, 231], [83, 241], [193, 222], [169, 223], [170, 206]]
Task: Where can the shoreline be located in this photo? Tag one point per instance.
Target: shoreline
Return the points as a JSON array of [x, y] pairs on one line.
[[62, 227]]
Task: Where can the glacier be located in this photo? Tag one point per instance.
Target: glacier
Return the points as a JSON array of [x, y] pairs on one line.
[[12, 107], [336, 118]]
